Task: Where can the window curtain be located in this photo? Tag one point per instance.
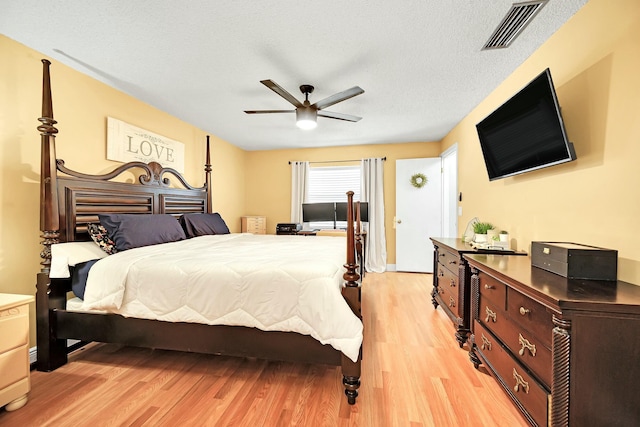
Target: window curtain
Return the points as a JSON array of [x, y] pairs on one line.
[[299, 178], [372, 185]]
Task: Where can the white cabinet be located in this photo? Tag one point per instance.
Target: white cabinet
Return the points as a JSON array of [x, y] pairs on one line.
[[14, 350], [254, 224]]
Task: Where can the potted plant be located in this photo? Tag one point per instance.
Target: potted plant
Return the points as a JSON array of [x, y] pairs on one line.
[[504, 236], [480, 229]]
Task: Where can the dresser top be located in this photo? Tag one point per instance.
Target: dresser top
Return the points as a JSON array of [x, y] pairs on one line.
[[462, 247], [559, 292], [8, 301]]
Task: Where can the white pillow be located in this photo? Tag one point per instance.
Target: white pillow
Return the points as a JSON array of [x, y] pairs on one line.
[[64, 255]]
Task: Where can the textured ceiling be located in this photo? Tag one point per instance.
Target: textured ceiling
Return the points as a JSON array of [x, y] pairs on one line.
[[419, 61]]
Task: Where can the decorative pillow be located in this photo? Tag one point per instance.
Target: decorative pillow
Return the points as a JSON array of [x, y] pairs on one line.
[[201, 224], [130, 231], [99, 235]]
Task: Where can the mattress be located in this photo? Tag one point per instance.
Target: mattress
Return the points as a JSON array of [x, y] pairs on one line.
[[273, 283]]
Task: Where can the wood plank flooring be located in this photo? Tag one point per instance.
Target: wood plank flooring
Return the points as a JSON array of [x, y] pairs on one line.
[[413, 374]]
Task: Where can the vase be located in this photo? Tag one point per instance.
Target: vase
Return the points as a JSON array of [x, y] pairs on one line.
[[480, 238], [504, 237]]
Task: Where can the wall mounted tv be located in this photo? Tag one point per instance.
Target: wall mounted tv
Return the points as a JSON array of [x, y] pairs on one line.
[[526, 132]]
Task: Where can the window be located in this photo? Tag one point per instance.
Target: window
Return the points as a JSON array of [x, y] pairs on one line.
[[330, 184]]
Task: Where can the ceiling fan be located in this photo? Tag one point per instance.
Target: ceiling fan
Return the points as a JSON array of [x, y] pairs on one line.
[[307, 113]]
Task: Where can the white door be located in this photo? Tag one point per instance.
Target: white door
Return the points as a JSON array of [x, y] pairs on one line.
[[418, 214], [450, 192]]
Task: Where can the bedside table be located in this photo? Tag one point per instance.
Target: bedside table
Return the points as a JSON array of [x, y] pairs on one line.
[[14, 350]]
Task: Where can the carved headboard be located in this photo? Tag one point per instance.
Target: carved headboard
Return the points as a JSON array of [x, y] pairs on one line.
[[70, 200]]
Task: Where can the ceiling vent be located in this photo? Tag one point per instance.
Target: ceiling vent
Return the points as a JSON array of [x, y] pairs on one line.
[[516, 19]]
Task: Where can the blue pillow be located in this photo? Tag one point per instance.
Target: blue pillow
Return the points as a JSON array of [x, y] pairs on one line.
[[202, 224], [130, 231]]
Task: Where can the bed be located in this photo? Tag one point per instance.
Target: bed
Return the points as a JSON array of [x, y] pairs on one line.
[[72, 202]]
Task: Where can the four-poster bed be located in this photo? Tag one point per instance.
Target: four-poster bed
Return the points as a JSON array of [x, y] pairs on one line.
[[70, 201]]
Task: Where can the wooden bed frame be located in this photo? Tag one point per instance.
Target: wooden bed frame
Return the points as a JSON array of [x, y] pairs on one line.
[[70, 200]]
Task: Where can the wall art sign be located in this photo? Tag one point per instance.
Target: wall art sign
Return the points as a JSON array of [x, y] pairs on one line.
[[128, 143]]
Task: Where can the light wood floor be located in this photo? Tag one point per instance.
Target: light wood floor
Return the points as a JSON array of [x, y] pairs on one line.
[[414, 374]]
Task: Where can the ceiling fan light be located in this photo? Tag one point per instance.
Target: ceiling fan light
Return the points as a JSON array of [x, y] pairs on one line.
[[306, 118]]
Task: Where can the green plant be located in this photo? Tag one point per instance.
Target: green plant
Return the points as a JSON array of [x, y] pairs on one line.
[[482, 227], [504, 232]]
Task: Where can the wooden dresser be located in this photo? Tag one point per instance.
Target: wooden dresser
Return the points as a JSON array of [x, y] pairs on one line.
[[14, 350], [567, 351], [451, 286], [254, 224]]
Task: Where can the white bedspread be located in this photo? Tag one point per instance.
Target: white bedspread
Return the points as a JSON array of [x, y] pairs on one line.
[[274, 283]]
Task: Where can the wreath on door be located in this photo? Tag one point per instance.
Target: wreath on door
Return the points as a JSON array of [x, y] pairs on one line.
[[418, 180]]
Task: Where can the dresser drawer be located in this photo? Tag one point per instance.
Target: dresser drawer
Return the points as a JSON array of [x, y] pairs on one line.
[[449, 260], [524, 346], [14, 327], [530, 394], [530, 315], [447, 279], [14, 366], [493, 290]]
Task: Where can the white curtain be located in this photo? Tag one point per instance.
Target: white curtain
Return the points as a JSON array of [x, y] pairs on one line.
[[371, 187], [299, 177]]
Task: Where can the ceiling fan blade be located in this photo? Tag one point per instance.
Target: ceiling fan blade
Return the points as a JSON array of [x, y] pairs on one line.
[[268, 111], [281, 91], [339, 97], [339, 116]]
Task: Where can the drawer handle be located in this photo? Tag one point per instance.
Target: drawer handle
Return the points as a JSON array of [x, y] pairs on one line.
[[452, 302], [526, 344], [490, 315], [452, 283], [520, 382], [453, 261], [489, 287], [441, 291], [441, 273], [524, 311], [486, 344]]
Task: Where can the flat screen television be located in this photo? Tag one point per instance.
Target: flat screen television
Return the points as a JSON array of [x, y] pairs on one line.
[[525, 133], [341, 211], [316, 212]]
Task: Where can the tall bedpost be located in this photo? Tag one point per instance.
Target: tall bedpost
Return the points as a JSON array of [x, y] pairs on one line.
[[207, 179], [49, 221], [51, 351], [351, 293]]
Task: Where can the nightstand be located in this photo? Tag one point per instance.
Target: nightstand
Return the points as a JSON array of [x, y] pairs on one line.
[[254, 224], [14, 350]]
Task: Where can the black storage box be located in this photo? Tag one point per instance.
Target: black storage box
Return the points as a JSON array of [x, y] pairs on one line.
[[575, 261]]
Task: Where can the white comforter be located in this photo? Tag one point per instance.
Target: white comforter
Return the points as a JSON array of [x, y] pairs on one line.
[[274, 283]]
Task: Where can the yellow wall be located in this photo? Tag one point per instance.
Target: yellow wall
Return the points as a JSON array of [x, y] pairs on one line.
[[81, 106], [595, 63], [268, 178]]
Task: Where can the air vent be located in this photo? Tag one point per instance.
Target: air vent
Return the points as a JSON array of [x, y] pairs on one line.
[[517, 18]]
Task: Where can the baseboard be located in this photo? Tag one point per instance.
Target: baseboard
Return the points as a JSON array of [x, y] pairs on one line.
[[33, 355]]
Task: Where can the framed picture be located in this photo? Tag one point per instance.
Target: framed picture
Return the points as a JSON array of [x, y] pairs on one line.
[[128, 143]]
